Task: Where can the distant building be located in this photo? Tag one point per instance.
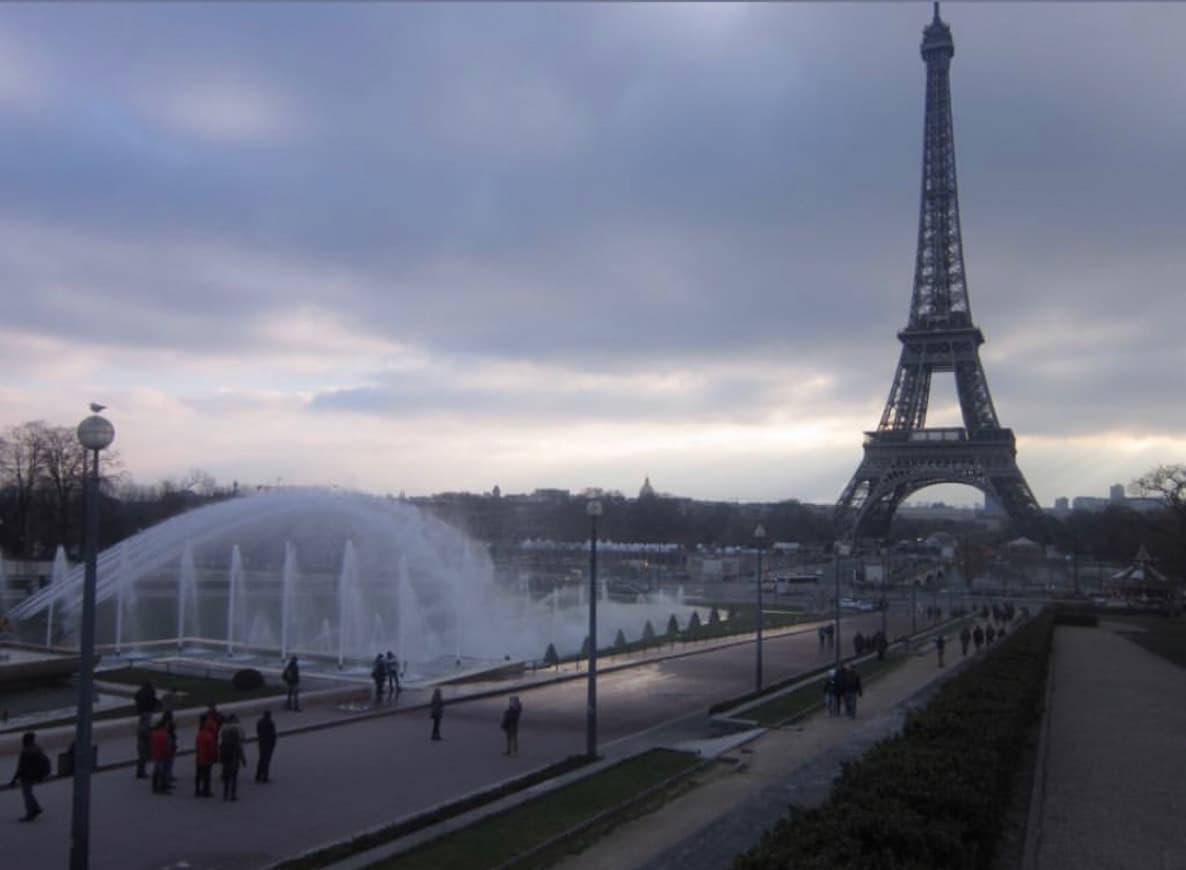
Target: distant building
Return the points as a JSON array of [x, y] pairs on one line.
[[646, 490], [1062, 505], [1116, 492]]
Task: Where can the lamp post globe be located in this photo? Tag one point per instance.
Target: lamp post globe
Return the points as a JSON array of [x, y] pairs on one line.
[[95, 433], [593, 510], [759, 539]]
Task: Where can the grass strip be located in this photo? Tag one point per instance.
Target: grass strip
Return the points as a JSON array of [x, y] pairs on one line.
[[498, 839], [1163, 637], [938, 793]]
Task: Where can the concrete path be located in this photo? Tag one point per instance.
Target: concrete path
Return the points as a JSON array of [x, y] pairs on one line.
[[733, 804], [368, 771], [1113, 794]]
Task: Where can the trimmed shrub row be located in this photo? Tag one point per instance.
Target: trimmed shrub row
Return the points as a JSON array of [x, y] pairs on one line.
[[936, 794]]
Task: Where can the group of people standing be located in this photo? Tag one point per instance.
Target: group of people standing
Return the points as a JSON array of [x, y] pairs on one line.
[[385, 673], [509, 722], [219, 741]]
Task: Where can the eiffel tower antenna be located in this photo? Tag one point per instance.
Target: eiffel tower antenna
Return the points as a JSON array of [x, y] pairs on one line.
[[904, 455]]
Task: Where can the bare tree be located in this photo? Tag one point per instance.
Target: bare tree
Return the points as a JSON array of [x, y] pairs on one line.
[[61, 475], [1167, 482], [22, 463]]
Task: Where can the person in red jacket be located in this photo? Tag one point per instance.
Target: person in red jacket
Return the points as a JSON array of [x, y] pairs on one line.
[[162, 752], [205, 755]]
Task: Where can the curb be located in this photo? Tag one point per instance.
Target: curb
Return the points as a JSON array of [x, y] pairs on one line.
[[1033, 820]]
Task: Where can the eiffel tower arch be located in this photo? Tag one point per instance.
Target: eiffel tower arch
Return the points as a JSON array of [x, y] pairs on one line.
[[904, 455]]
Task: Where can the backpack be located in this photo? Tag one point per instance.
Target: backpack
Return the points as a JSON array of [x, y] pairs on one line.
[[39, 766]]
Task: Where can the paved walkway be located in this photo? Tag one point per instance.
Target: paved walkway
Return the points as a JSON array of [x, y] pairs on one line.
[[732, 805], [330, 783], [1113, 794]]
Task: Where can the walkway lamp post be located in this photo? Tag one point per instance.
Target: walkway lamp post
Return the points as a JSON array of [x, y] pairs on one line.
[[95, 433], [593, 509], [914, 606], [836, 602], [759, 540]]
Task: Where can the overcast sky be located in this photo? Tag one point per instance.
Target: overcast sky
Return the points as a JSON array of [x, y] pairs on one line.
[[431, 247]]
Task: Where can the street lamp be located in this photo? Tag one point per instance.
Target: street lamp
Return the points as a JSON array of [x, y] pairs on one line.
[[836, 582], [914, 606], [94, 434], [593, 509], [759, 539]]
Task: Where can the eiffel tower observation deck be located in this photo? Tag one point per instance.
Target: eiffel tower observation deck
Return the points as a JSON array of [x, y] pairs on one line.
[[904, 455]]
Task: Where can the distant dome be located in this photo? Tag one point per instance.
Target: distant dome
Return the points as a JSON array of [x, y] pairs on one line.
[[647, 491]]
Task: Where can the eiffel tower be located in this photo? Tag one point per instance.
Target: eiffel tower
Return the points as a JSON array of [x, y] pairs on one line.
[[904, 455]]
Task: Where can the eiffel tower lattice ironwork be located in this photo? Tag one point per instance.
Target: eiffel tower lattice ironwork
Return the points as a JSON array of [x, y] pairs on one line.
[[903, 455]]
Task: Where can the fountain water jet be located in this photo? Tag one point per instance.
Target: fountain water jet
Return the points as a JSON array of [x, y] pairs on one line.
[[186, 591], [287, 579], [434, 589], [234, 583]]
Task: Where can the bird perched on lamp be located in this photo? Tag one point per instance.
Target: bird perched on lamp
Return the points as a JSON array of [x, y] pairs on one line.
[[96, 407]]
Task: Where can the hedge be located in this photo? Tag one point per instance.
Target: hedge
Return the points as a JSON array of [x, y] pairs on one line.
[[937, 793]]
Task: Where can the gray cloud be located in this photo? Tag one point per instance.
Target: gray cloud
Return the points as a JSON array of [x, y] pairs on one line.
[[601, 188]]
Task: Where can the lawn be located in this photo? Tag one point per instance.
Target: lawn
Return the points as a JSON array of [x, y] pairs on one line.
[[192, 691], [501, 837], [1165, 637]]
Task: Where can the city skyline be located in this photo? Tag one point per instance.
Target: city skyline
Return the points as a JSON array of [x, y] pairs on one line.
[[426, 247]]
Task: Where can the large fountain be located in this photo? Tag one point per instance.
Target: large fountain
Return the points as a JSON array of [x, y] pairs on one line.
[[326, 574]]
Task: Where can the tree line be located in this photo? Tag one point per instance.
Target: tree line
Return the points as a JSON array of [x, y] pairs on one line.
[[41, 489]]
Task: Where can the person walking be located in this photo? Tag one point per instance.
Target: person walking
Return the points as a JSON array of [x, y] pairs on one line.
[[230, 756], [205, 755], [978, 637], [143, 744], [990, 635], [965, 639], [510, 724], [852, 690], [436, 709], [393, 689], [265, 733], [940, 646], [831, 696], [292, 679], [31, 768], [379, 675]]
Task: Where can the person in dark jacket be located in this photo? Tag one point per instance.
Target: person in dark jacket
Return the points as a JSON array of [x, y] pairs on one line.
[[265, 733], [978, 637], [32, 767], [510, 724], [145, 699], [292, 679], [436, 709], [850, 681], [379, 675], [940, 646], [392, 663], [831, 693], [205, 755], [965, 639], [231, 757]]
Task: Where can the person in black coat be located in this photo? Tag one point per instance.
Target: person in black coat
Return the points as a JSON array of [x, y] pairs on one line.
[[265, 732], [32, 767], [292, 679], [145, 699]]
